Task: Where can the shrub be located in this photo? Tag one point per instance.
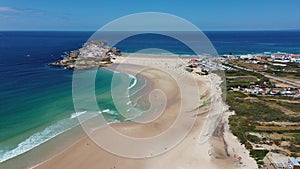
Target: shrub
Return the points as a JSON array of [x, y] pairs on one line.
[[253, 138], [258, 154]]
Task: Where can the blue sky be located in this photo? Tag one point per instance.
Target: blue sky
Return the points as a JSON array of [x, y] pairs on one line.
[[93, 14]]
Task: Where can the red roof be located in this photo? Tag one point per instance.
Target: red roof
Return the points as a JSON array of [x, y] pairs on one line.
[[295, 55]]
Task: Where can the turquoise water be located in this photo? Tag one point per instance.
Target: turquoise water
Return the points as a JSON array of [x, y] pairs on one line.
[[36, 100], [49, 113]]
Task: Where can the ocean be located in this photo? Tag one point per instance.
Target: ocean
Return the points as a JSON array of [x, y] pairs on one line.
[[36, 99]]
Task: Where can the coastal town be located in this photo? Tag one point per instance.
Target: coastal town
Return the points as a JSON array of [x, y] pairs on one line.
[[281, 71], [258, 63]]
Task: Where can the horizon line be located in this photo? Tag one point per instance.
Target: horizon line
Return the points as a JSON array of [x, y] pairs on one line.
[[92, 30]]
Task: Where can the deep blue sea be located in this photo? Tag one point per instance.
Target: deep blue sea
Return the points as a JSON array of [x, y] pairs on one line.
[[36, 100]]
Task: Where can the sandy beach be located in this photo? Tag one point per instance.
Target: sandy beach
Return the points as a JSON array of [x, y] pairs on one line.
[[199, 144]]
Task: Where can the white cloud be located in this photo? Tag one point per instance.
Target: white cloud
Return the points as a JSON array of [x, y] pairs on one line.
[[8, 9]]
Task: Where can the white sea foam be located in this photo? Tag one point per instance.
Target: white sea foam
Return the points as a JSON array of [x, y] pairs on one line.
[[39, 138], [111, 112], [134, 82], [74, 115], [132, 107], [134, 116], [144, 85], [105, 111], [114, 121], [48, 133]]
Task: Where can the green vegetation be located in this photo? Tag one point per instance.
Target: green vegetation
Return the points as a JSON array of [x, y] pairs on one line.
[[291, 71], [269, 116], [253, 139], [237, 84], [205, 103], [291, 106], [243, 78], [295, 141], [259, 155], [281, 98], [296, 135], [253, 110], [294, 148], [250, 111], [202, 96], [237, 94], [283, 73], [246, 73], [239, 125]]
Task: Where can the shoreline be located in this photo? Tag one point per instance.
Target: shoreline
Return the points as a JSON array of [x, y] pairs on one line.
[[46, 150], [31, 152], [72, 152], [189, 146], [128, 126], [232, 47]]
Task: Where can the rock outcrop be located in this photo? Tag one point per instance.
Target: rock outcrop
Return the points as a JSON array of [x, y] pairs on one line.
[[93, 54]]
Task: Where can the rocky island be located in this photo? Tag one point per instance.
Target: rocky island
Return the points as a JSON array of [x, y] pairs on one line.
[[93, 54]]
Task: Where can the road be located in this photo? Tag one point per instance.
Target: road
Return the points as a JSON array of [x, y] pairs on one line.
[[283, 80], [292, 83]]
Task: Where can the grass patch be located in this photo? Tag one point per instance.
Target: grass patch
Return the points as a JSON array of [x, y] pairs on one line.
[[295, 135], [258, 155], [295, 107], [237, 84], [238, 94], [238, 126], [205, 103], [296, 139], [254, 111], [253, 139], [243, 78], [202, 96], [240, 72]]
